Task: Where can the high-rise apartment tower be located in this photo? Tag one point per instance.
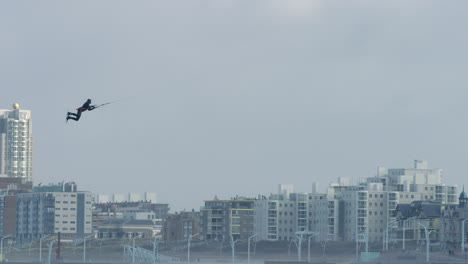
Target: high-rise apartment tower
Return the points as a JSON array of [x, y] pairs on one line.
[[16, 143]]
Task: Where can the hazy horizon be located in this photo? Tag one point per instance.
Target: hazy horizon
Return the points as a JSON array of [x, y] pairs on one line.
[[235, 97]]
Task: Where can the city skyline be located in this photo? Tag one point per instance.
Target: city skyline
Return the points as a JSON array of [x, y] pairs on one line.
[[234, 97]]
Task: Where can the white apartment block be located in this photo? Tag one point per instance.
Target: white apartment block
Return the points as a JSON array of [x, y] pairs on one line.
[[118, 198], [16, 143], [44, 213], [151, 197], [140, 215], [129, 197], [281, 215], [134, 197], [349, 212], [101, 198], [368, 208]]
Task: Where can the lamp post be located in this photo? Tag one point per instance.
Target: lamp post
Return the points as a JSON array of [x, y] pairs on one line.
[[248, 247], [289, 247], [233, 243], [364, 234], [155, 246], [133, 249], [427, 241], [308, 246], [323, 249], [84, 247], [40, 247], [299, 237], [1, 245], [188, 246], [463, 235], [221, 244], [50, 248], [385, 238], [404, 229]]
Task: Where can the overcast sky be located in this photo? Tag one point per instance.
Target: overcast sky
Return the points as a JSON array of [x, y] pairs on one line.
[[228, 97]]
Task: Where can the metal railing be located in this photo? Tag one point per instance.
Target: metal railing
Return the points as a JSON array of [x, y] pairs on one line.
[[146, 256]]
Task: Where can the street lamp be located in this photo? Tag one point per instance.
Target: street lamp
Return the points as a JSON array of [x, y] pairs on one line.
[[40, 247], [463, 235], [84, 247], [385, 238], [232, 246], [155, 246], [289, 247], [299, 253], [404, 229], [133, 249], [222, 241], [308, 245], [323, 250], [427, 241], [361, 233], [50, 248], [1, 245], [248, 247], [188, 246]]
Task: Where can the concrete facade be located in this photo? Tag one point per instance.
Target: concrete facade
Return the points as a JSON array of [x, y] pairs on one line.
[[45, 213], [222, 218], [16, 143]]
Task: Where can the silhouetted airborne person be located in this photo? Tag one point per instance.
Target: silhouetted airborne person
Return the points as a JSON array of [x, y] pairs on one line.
[[84, 107]]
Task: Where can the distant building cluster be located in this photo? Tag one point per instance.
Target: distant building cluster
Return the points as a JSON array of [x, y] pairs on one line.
[[130, 197], [395, 204]]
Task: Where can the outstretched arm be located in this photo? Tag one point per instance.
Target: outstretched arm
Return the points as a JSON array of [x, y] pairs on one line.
[[91, 107]]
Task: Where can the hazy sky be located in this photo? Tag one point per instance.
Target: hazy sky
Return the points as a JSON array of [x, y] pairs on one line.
[[234, 97]]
